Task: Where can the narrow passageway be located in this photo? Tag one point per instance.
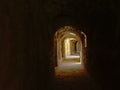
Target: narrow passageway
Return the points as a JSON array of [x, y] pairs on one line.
[[70, 51]]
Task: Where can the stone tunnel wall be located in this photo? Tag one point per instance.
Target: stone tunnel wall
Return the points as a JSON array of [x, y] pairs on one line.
[[26, 34]]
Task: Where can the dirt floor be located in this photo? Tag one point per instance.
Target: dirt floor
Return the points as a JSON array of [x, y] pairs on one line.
[[73, 76]]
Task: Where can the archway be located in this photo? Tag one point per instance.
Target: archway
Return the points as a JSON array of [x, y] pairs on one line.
[[69, 49]]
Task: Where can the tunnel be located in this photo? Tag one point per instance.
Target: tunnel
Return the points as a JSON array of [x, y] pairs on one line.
[[59, 45], [69, 49]]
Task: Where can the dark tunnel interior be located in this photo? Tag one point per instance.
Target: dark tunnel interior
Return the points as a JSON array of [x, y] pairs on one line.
[[27, 29]]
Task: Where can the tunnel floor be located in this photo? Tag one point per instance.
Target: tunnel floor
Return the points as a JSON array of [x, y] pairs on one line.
[[72, 76]]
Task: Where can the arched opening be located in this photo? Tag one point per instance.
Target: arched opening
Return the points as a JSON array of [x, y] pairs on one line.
[[69, 51]]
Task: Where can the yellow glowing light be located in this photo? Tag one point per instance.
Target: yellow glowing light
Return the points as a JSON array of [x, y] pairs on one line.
[[68, 51], [67, 47]]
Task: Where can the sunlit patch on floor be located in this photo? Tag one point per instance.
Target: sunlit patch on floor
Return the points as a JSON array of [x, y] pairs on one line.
[[69, 69]]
